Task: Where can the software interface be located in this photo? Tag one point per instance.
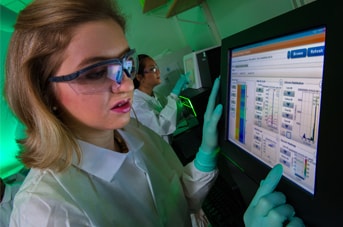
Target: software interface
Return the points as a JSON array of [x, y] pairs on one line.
[[275, 99]]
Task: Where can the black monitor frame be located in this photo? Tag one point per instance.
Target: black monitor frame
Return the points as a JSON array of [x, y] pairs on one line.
[[325, 207]]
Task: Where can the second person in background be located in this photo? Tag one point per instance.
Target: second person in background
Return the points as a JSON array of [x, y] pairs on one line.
[[157, 112]]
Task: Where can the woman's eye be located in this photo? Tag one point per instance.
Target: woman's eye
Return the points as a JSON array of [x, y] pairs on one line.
[[96, 74]]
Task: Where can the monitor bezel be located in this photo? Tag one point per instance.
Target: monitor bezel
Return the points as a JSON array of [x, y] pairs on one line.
[[316, 211]]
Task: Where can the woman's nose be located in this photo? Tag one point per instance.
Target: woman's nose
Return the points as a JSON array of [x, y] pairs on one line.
[[126, 84]]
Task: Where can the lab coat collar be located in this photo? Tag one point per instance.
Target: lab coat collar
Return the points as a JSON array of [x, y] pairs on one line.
[[134, 144], [7, 197], [104, 163]]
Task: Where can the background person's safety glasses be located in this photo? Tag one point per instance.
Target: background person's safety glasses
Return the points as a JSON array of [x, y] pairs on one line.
[[153, 69], [99, 77]]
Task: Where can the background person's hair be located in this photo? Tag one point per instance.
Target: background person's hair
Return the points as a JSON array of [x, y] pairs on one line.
[[141, 67], [42, 33]]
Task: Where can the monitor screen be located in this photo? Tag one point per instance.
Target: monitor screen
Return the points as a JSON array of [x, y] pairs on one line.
[[275, 101], [281, 95]]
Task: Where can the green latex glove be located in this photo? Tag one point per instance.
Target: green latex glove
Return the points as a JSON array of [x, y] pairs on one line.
[[268, 208], [181, 84], [206, 158]]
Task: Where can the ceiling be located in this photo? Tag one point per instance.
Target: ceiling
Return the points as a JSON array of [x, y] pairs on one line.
[[15, 5], [176, 7]]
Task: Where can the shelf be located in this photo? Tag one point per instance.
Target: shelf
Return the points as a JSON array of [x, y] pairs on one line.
[[149, 5], [174, 6], [179, 6]]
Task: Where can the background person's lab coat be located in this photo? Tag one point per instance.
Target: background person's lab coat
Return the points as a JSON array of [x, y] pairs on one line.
[[153, 113], [148, 186]]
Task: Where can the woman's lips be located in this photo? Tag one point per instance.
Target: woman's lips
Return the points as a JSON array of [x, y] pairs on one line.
[[122, 107]]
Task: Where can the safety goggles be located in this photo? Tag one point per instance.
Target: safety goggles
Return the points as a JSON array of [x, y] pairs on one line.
[[99, 77]]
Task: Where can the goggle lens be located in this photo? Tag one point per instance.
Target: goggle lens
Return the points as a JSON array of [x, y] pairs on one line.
[[100, 76]]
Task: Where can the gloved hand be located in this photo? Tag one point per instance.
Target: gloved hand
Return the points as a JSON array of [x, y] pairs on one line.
[[181, 84], [206, 158], [269, 208]]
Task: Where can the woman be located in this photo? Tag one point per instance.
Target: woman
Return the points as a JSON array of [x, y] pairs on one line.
[[157, 112], [69, 80]]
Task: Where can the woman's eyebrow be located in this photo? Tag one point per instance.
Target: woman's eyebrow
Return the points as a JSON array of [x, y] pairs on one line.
[[94, 59], [87, 61]]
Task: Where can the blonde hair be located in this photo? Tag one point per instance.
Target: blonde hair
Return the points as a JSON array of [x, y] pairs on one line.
[[42, 32]]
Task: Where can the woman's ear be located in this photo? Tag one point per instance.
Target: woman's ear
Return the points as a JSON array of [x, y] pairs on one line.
[[139, 77]]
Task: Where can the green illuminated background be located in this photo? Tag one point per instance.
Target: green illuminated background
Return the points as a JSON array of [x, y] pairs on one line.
[[10, 128]]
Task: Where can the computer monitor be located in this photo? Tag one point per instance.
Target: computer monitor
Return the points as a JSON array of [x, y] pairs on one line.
[[281, 100], [275, 101]]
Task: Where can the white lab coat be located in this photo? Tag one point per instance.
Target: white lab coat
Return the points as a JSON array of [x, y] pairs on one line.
[[7, 203], [12, 185], [160, 117], [148, 186]]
